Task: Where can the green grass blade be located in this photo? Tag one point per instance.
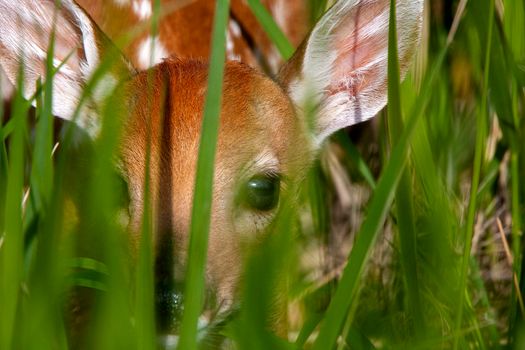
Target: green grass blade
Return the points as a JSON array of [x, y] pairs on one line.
[[514, 25], [272, 29], [145, 282], [202, 200], [3, 164], [42, 169], [11, 247], [404, 206], [263, 295]]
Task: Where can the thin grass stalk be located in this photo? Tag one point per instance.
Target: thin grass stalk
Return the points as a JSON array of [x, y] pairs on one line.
[[276, 35], [202, 199], [404, 195], [478, 160], [263, 293], [12, 247], [42, 168], [516, 213], [514, 25], [3, 185], [3, 164], [145, 273], [112, 327]]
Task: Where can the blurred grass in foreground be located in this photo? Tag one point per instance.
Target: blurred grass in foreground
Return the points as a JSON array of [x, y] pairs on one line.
[[455, 123]]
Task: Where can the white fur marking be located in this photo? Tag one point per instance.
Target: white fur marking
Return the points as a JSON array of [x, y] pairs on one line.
[[230, 47], [121, 3], [169, 341], [104, 88], [235, 29], [142, 9], [274, 59], [148, 58]]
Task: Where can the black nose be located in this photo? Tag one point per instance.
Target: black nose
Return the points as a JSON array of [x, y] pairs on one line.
[[169, 304]]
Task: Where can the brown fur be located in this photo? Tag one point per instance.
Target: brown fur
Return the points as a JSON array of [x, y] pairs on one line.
[[185, 27], [265, 119]]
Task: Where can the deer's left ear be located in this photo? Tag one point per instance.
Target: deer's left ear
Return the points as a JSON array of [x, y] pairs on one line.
[[26, 27], [341, 69]]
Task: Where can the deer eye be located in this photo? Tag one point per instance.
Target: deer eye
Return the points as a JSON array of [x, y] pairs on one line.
[[261, 192]]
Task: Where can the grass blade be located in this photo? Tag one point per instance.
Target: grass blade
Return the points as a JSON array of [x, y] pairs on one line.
[[404, 206], [272, 29], [200, 218], [12, 247]]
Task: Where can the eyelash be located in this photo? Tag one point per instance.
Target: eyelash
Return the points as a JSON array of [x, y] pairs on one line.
[[272, 175]]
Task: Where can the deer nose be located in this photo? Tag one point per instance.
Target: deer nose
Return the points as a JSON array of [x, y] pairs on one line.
[[169, 305]]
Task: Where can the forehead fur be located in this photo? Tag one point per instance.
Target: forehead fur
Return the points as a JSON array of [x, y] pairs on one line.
[[253, 106]]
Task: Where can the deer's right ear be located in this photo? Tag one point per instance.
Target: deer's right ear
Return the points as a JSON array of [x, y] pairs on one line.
[[26, 27], [340, 71]]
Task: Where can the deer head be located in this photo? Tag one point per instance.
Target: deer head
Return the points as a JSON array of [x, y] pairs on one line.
[[265, 140]]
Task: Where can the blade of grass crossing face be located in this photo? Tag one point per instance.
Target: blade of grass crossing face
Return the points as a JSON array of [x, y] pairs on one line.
[[202, 199], [272, 29], [119, 332], [145, 280], [11, 249], [345, 294], [478, 160], [517, 229], [264, 289]]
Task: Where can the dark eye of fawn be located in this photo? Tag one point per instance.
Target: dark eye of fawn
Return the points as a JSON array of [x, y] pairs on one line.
[[262, 192]]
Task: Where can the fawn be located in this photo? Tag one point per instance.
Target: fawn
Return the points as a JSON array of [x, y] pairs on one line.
[[339, 72]]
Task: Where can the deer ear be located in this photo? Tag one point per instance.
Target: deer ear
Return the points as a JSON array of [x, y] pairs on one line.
[[341, 69], [26, 27]]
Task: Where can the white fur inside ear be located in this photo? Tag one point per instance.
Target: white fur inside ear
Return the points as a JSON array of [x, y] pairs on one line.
[[343, 76], [6, 88], [25, 31]]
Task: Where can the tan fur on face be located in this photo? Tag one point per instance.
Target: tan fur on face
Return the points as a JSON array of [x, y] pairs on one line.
[[256, 116]]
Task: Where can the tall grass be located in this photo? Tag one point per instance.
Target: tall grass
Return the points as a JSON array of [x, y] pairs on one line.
[[453, 163]]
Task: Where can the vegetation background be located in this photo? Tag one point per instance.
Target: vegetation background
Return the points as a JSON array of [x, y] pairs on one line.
[[410, 229]]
